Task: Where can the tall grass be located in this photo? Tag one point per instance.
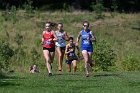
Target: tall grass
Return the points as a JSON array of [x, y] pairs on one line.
[[121, 32]]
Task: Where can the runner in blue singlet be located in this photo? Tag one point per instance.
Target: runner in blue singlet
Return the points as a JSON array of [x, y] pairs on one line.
[[86, 45]]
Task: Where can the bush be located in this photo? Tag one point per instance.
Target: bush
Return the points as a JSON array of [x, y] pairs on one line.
[[131, 63], [29, 9], [5, 54], [114, 7], [98, 8], [67, 7], [104, 56]]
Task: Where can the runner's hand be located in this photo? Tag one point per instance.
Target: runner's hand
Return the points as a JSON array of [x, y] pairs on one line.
[[50, 39], [76, 43]]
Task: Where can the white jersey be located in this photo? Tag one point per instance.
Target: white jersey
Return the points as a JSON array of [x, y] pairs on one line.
[[61, 42]]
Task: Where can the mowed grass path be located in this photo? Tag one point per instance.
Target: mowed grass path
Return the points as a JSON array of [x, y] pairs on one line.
[[104, 82]]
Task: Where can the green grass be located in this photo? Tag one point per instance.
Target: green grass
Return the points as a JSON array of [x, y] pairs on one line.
[[122, 32], [104, 82]]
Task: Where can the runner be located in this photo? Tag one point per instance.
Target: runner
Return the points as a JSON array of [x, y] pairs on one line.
[[70, 55], [86, 45], [60, 45], [48, 41]]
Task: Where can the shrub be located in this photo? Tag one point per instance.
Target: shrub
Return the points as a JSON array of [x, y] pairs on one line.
[[131, 63], [29, 9], [114, 7], [5, 54], [13, 14], [104, 56], [98, 8], [67, 7]]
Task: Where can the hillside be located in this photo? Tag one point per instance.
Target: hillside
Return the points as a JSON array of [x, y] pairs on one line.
[[23, 31]]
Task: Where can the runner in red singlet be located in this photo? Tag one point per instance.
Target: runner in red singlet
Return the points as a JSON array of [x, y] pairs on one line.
[[48, 41]]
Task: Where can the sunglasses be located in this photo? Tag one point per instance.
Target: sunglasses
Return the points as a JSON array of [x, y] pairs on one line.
[[71, 41], [60, 26], [85, 25], [47, 26]]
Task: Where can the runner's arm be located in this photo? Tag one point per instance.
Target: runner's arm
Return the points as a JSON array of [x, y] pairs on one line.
[[78, 38], [66, 50], [92, 37], [66, 37], [55, 37], [42, 39], [78, 49]]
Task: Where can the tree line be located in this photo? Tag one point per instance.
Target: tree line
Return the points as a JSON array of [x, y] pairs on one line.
[[122, 5]]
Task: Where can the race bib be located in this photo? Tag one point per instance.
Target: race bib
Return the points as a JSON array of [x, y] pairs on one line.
[[71, 54], [47, 42], [86, 42], [60, 41]]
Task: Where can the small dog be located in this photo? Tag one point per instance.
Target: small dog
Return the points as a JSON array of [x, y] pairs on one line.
[[34, 69]]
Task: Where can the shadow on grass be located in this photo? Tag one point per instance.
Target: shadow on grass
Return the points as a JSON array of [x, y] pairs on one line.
[[136, 28], [67, 74], [6, 83], [134, 83], [9, 81], [106, 74], [94, 75]]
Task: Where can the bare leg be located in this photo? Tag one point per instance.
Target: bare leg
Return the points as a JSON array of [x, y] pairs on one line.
[[74, 65], [69, 67], [60, 58], [52, 56], [48, 60], [90, 58], [86, 58]]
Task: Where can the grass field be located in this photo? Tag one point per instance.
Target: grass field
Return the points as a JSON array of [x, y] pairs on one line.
[[122, 32], [103, 82]]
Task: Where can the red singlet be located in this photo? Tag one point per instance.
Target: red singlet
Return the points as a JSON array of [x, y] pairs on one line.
[[46, 43]]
